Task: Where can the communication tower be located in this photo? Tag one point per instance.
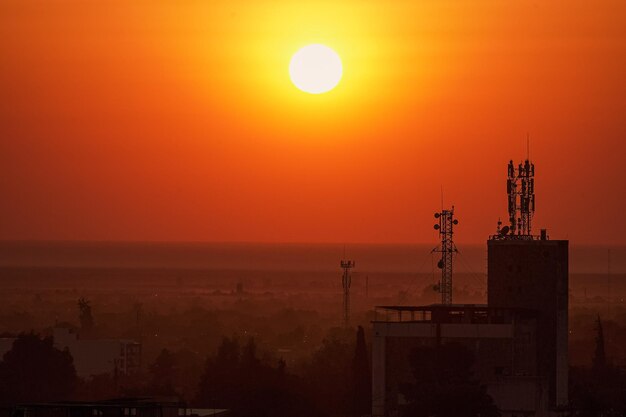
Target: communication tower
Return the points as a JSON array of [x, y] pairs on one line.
[[447, 249], [346, 280], [520, 187]]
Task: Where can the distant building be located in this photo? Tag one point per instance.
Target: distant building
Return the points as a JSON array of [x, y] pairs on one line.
[[99, 356], [92, 356]]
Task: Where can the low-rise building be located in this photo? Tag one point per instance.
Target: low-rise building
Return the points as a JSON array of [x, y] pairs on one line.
[[503, 342], [99, 356], [92, 356]]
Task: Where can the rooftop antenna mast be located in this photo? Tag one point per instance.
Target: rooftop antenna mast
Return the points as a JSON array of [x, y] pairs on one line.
[[346, 280], [520, 186], [447, 249]]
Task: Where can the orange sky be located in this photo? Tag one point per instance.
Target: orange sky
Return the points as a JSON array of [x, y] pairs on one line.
[[161, 120]]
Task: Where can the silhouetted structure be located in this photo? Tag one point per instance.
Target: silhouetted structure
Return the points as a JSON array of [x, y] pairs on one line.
[[447, 249], [519, 339], [524, 273], [346, 281], [520, 187], [528, 271], [502, 341]]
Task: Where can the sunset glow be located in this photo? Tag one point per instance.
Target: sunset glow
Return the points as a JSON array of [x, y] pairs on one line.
[[170, 120]]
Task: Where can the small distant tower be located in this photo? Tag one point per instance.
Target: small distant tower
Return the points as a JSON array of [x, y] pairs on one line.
[[346, 280], [447, 249], [520, 187]]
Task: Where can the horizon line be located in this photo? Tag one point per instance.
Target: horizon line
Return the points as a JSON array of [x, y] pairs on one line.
[[268, 243]]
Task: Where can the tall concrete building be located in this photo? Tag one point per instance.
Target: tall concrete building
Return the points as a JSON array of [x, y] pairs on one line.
[[529, 271], [533, 274]]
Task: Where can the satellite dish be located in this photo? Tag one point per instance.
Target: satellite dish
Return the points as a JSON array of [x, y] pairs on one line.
[[437, 215], [436, 227], [440, 264], [504, 231], [455, 221]]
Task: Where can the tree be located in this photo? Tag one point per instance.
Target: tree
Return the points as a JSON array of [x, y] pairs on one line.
[[249, 359], [444, 385], [361, 378], [601, 390], [599, 358], [238, 380], [84, 314], [35, 371], [219, 379], [163, 373], [328, 376]]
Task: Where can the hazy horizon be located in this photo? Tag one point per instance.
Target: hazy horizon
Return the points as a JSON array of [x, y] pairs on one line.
[[387, 257]]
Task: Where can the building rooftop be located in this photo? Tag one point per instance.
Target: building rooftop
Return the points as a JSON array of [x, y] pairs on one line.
[[455, 313]]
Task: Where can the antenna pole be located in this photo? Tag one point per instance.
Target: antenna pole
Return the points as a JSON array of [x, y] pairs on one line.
[[447, 249], [346, 281]]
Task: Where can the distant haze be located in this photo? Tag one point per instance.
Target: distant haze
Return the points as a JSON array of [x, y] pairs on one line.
[[278, 257]]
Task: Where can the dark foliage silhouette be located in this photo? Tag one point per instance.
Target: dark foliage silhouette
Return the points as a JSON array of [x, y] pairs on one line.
[[601, 390], [361, 378], [238, 380], [163, 374], [599, 359], [84, 315], [34, 370], [328, 376]]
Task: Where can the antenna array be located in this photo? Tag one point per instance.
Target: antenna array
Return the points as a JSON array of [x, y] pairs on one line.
[[520, 187]]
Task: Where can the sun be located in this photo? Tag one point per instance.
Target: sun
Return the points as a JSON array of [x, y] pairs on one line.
[[315, 69]]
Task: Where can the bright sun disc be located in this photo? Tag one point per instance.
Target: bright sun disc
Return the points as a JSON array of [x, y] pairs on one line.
[[315, 69]]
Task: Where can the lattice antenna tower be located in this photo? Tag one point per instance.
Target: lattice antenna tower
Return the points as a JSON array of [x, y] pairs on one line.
[[520, 187], [447, 250], [346, 281]]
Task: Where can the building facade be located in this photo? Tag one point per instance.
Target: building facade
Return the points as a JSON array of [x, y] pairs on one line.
[[533, 273], [99, 356], [503, 342]]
